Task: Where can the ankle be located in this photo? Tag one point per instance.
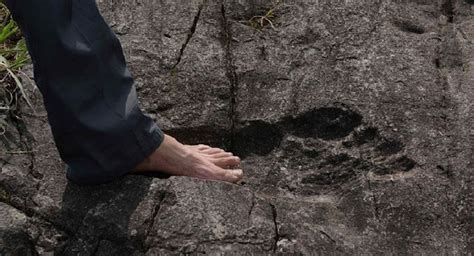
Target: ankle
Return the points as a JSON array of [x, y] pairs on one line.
[[145, 165]]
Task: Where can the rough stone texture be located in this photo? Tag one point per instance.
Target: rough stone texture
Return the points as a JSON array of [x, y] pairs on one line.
[[13, 237], [354, 119]]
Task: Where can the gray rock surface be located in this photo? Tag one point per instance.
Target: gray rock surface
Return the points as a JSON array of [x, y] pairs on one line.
[[354, 120], [13, 236]]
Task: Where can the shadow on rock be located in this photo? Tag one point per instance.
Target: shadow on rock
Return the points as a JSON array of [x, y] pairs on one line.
[[257, 137], [97, 218]]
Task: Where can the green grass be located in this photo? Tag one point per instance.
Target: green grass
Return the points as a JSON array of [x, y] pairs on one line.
[[13, 56]]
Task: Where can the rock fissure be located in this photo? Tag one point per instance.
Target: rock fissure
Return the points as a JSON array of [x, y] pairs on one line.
[[276, 237], [449, 60], [447, 9], [26, 140], [156, 210], [252, 205], [231, 75], [327, 236], [30, 213], [374, 200], [192, 30]]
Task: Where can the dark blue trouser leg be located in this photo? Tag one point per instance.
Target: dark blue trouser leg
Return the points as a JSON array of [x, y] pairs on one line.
[[88, 91]]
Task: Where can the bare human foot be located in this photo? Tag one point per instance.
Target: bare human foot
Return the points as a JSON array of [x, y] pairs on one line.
[[217, 156], [198, 161]]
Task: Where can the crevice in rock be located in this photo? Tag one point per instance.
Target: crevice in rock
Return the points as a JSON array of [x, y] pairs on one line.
[[295, 94], [277, 236], [190, 35], [447, 9], [457, 103], [23, 210], [31, 213], [327, 236], [252, 206], [34, 217], [26, 140], [437, 62], [449, 53], [374, 200], [449, 59], [231, 74], [156, 210]]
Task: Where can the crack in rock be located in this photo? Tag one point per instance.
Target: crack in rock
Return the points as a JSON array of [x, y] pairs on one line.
[[374, 200], [277, 232], [190, 34], [327, 236], [231, 75], [252, 206], [447, 9], [156, 210]]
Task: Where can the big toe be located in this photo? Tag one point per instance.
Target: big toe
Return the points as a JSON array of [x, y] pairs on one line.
[[238, 174], [229, 175]]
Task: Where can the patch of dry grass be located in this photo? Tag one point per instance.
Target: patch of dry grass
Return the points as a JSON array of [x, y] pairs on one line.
[[13, 56]]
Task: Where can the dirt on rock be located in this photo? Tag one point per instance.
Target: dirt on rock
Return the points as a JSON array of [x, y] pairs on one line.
[[354, 120]]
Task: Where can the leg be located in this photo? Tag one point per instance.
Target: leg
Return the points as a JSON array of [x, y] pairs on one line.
[[88, 92], [91, 102]]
